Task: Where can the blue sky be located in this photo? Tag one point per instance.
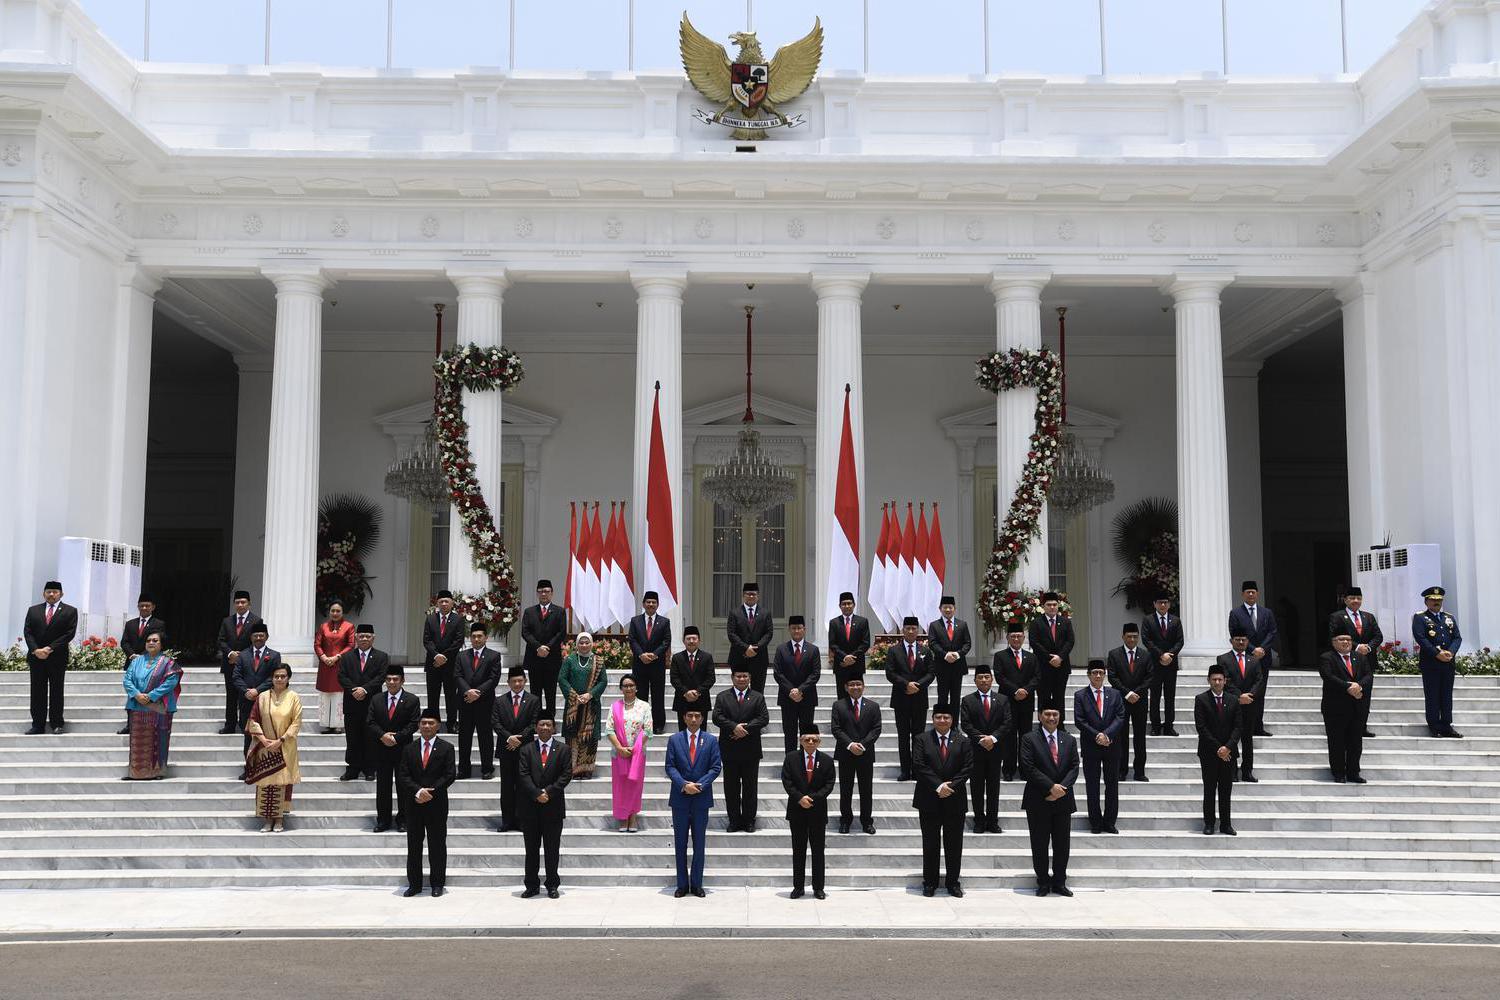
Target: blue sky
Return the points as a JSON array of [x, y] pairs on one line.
[[930, 36]]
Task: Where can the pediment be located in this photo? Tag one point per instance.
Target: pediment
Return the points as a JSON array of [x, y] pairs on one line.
[[769, 412]]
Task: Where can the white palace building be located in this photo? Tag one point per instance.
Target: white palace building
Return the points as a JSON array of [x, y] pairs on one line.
[[217, 289]]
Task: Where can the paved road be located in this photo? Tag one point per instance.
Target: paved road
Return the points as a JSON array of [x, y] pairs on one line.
[[737, 970]]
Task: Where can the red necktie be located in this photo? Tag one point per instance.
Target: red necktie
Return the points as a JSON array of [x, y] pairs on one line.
[[950, 629], [140, 628], [1220, 699], [856, 711], [390, 708], [515, 706], [544, 753], [1052, 624], [648, 629], [544, 612], [809, 770], [1348, 665], [1018, 659], [1241, 658], [797, 653], [692, 749], [442, 625], [364, 661], [51, 610], [752, 613], [257, 659], [1052, 741], [943, 748], [1099, 701], [426, 753], [911, 655], [239, 625], [986, 700], [1359, 624], [1130, 660], [848, 629]]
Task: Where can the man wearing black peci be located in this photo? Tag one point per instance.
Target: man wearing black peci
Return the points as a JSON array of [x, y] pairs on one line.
[[546, 767], [796, 670], [949, 642], [1099, 714], [650, 638], [1049, 766], [543, 628], [514, 720], [392, 722], [442, 637], [1161, 633], [856, 728], [423, 776], [909, 669], [49, 630], [1363, 629], [1130, 673], [848, 641], [741, 715], [1345, 706], [361, 673], [1259, 623], [1015, 678], [133, 636], [807, 776], [1245, 681], [693, 675], [984, 717], [942, 763], [750, 632], [476, 675], [1051, 638], [1216, 716], [234, 638]]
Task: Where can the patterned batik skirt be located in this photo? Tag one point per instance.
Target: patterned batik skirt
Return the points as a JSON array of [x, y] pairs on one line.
[[273, 801], [150, 737]]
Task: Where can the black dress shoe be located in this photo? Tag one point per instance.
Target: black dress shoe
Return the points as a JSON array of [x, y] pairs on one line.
[[59, 730], [552, 894], [486, 775], [1156, 730], [463, 775], [1251, 778], [929, 890], [35, 731], [1009, 776], [993, 828], [978, 826], [1338, 779], [382, 827], [1358, 780], [1208, 829], [844, 825], [748, 827], [227, 731], [1043, 890], [1263, 732], [348, 775], [1368, 735], [1111, 829], [903, 776], [679, 893], [527, 894], [1095, 829], [1169, 731], [868, 827], [369, 775], [697, 890], [1452, 734], [956, 891], [412, 891], [1142, 777], [240, 776], [796, 893], [732, 828], [400, 826], [1229, 831], [438, 890], [819, 894], [123, 730], [1062, 890]]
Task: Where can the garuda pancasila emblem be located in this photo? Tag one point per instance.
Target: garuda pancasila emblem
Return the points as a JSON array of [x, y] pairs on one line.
[[748, 87]]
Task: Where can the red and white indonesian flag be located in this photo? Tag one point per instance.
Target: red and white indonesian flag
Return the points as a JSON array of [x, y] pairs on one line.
[[937, 560], [923, 604], [621, 598], [875, 597], [575, 566], [843, 551], [588, 602], [904, 596], [659, 568]]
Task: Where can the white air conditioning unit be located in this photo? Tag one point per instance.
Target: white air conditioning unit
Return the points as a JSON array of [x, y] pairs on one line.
[[100, 579], [1393, 580]]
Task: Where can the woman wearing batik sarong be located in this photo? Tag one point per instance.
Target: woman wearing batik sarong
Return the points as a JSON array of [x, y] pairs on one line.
[[582, 681], [274, 724], [152, 684], [629, 729]]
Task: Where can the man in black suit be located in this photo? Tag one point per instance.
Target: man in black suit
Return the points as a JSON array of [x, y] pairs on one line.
[[943, 760], [361, 672], [1051, 639], [513, 719], [1130, 673], [1346, 707], [49, 630], [741, 715], [909, 669], [1245, 680], [856, 727], [476, 675], [1161, 631], [392, 723], [1049, 766], [796, 670], [807, 776], [1363, 629], [543, 630], [234, 639], [133, 636], [1259, 624], [1099, 714], [545, 768], [750, 630], [948, 641], [1216, 716], [650, 646], [1015, 678], [848, 641], [252, 675], [984, 717], [424, 774], [442, 637], [692, 676]]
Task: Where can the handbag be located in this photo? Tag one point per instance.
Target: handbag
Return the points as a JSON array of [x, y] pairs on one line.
[[264, 763]]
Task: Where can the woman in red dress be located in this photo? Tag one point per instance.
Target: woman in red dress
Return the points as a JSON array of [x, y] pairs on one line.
[[335, 637]]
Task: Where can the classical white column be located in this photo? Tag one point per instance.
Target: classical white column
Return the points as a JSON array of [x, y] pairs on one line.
[[291, 479], [1018, 324], [658, 360], [1202, 465], [480, 296], [135, 302], [840, 363], [1362, 397]]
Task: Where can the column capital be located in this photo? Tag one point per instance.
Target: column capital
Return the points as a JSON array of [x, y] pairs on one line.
[[489, 283], [303, 280], [1357, 287], [659, 282], [839, 284], [146, 280], [1185, 287], [1008, 285]]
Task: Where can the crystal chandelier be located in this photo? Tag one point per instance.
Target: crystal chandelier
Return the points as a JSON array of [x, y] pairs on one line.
[[1078, 483], [417, 476], [749, 481]]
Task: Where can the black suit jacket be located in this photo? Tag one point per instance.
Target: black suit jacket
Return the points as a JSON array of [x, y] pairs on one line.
[[1039, 636], [939, 645], [1009, 678], [1254, 681], [974, 723], [229, 639], [371, 678], [847, 729], [1126, 677], [743, 633], [660, 642], [246, 677], [1215, 728], [403, 723], [56, 635], [900, 672], [697, 674], [133, 642], [536, 779], [1040, 774], [1263, 633], [538, 631], [507, 723], [1158, 642], [1089, 721], [931, 769], [1341, 622], [791, 674], [437, 775], [855, 644], [729, 712], [481, 673], [447, 640], [794, 780], [1336, 680]]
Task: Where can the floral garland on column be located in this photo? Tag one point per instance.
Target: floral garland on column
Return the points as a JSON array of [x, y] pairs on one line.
[[1018, 369], [478, 369]]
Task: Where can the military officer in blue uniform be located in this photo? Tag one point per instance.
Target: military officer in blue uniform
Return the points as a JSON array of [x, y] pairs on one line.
[[1438, 642]]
